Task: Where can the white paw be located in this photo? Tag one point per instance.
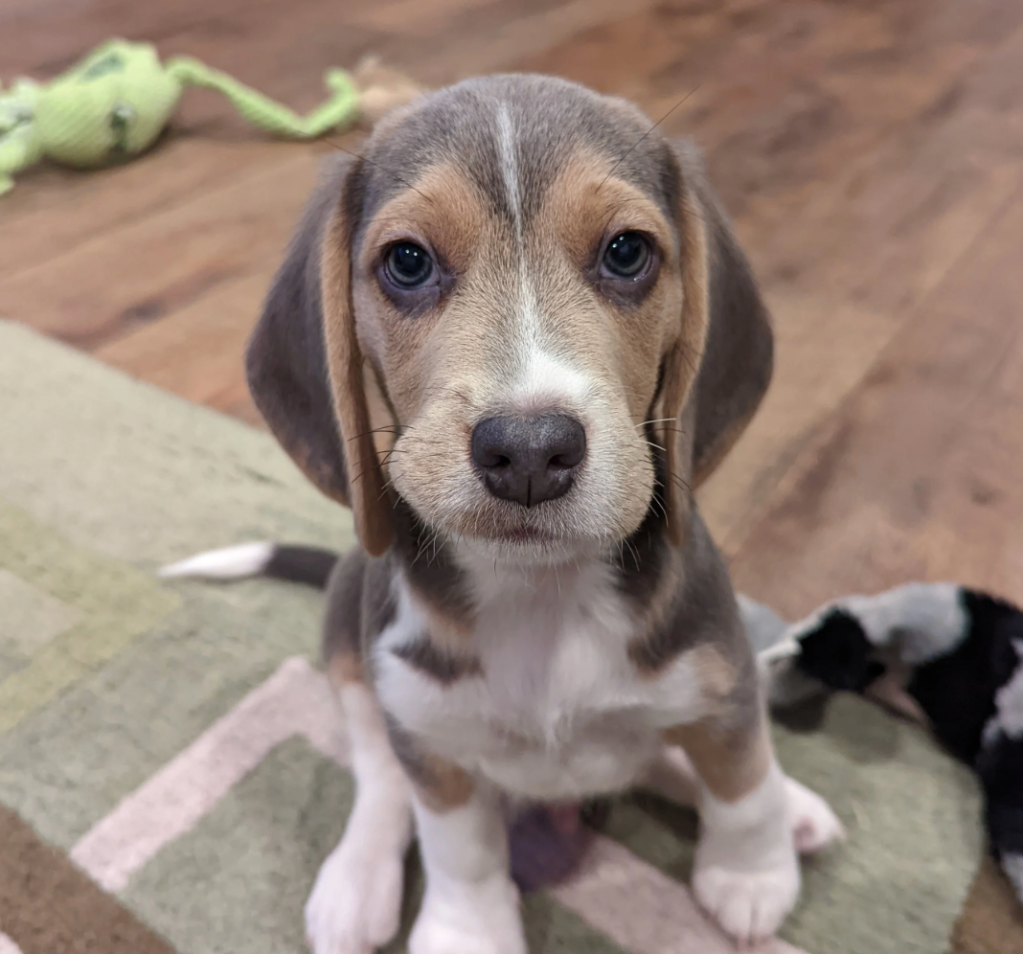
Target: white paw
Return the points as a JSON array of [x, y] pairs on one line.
[[749, 905], [463, 919], [356, 902], [814, 824]]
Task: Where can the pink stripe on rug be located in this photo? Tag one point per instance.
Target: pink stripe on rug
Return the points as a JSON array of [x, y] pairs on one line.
[[295, 700], [643, 910]]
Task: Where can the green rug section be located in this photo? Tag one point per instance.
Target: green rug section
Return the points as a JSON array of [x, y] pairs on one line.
[[283, 819], [106, 674], [110, 673]]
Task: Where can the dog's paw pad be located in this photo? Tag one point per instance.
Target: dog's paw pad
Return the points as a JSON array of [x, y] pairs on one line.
[[814, 824], [354, 907], [748, 905]]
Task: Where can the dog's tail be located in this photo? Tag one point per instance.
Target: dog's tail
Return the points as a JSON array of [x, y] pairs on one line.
[[311, 566]]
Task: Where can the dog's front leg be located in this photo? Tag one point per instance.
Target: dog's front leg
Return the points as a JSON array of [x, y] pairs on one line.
[[355, 904], [746, 872], [471, 904], [814, 824]]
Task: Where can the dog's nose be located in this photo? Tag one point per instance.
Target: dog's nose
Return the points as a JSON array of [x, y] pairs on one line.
[[529, 459]]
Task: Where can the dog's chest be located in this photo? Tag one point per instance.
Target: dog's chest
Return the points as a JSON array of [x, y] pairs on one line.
[[558, 709]]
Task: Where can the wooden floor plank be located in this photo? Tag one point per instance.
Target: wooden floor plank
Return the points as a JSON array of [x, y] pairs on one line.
[[922, 204], [55, 212], [917, 475], [145, 271]]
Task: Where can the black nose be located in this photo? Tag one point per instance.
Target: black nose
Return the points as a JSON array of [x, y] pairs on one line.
[[529, 459]]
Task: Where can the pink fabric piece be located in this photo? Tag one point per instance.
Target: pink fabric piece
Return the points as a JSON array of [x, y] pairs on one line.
[[295, 700], [643, 910]]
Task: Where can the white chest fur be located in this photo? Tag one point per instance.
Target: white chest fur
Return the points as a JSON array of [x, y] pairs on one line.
[[559, 710]]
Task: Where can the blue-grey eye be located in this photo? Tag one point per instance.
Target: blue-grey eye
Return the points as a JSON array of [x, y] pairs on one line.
[[408, 265], [626, 255]]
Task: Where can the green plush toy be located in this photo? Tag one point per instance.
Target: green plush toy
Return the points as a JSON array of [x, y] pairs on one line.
[[116, 102]]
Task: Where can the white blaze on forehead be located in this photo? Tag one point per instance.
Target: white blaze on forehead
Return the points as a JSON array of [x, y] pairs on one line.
[[543, 379], [509, 161]]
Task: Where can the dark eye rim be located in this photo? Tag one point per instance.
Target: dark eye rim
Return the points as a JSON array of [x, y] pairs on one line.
[[399, 282], [644, 269]]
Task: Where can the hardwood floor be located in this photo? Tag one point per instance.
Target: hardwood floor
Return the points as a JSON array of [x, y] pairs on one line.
[[870, 152]]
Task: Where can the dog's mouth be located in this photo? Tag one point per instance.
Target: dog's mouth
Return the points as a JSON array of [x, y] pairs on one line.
[[528, 537], [520, 537]]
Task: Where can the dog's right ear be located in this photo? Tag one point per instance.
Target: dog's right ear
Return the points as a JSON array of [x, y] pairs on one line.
[[307, 378]]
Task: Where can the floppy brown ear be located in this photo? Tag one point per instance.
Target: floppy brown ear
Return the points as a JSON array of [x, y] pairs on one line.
[[720, 368], [304, 365]]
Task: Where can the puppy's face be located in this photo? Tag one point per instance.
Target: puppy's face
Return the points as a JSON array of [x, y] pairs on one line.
[[514, 296], [511, 294]]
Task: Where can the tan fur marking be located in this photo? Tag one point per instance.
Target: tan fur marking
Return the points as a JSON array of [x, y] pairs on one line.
[[345, 361], [717, 676], [684, 357], [442, 786], [444, 214], [343, 669], [448, 630], [731, 762], [584, 208]]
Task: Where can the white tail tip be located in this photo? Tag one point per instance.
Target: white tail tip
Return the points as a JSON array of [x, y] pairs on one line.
[[230, 563]]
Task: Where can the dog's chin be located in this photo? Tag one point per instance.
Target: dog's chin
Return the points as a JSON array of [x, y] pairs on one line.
[[529, 543]]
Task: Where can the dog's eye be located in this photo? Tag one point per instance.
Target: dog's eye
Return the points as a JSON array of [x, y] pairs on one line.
[[408, 265], [627, 255]]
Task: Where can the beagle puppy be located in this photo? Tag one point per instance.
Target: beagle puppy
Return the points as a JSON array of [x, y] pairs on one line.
[[514, 336]]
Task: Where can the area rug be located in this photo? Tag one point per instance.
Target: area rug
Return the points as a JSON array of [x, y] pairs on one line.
[[172, 764]]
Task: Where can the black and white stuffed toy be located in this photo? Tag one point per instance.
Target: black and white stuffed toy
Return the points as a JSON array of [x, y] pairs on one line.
[[943, 655]]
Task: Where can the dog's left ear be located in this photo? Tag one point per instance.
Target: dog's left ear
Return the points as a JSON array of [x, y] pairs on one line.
[[719, 368]]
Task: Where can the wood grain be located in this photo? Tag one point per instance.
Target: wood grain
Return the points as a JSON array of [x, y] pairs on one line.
[[148, 269], [916, 476]]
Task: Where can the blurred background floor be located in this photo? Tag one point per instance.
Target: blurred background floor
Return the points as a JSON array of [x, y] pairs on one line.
[[870, 151]]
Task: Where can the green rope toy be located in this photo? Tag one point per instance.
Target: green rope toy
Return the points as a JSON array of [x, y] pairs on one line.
[[115, 103]]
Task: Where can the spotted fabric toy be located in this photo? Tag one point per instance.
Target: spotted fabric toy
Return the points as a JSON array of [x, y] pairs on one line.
[[115, 103], [943, 655]]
